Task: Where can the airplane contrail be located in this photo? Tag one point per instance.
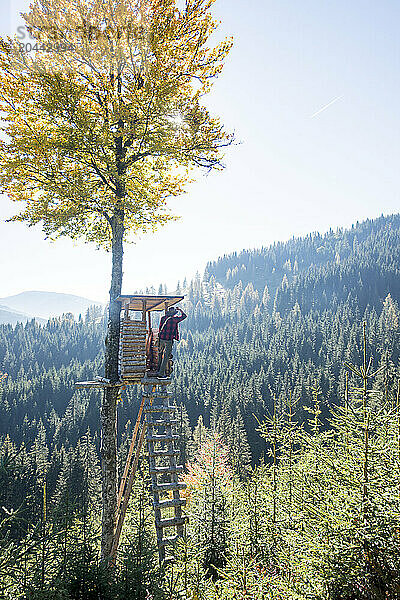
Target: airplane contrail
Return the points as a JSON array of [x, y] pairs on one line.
[[325, 107]]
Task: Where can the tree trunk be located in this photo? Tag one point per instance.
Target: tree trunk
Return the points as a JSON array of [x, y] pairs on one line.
[[109, 404]]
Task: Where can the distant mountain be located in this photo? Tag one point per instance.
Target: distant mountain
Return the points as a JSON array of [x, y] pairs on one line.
[[11, 317], [47, 304]]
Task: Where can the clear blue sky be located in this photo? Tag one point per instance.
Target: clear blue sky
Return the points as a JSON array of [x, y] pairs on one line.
[[292, 173]]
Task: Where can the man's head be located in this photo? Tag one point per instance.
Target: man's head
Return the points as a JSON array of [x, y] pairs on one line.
[[171, 311]]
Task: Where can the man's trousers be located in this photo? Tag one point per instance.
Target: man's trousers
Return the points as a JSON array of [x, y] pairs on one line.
[[164, 353]]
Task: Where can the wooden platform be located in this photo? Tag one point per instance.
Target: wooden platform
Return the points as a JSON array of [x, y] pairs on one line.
[[80, 385], [138, 350], [96, 384]]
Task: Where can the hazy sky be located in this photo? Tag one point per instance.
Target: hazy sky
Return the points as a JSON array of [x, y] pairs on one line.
[[298, 169]]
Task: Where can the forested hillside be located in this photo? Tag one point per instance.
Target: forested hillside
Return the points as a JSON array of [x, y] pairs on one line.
[[337, 263], [271, 322], [265, 342], [262, 324]]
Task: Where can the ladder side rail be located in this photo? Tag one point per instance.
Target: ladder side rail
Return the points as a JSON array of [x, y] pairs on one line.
[[128, 490], [130, 453], [131, 448]]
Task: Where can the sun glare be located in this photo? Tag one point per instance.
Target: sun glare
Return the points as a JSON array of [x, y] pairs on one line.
[[177, 120]]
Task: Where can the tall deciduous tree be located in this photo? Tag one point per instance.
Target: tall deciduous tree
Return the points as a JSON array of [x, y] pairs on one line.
[[102, 123]]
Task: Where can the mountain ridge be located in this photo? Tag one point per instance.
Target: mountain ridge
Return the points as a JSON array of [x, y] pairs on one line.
[[284, 267], [10, 317], [44, 305]]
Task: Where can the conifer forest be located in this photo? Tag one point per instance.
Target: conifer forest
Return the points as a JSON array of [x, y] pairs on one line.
[[287, 383]]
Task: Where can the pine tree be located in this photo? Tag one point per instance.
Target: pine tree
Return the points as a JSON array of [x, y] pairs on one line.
[[209, 480], [200, 435]]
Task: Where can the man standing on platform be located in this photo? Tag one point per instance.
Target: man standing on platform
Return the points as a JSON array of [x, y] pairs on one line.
[[167, 333]]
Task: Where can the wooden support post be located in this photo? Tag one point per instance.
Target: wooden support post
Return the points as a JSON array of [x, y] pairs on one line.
[[129, 457]]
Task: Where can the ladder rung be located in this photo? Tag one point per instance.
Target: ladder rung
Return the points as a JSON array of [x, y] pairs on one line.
[[160, 409], [155, 381], [169, 503], [170, 540], [166, 487], [161, 470], [164, 453], [162, 438], [171, 522], [158, 396]]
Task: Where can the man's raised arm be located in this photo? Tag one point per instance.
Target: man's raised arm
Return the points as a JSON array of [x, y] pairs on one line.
[[182, 317]]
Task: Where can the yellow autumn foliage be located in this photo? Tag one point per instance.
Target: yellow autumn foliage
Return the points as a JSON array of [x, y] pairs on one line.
[[103, 120]]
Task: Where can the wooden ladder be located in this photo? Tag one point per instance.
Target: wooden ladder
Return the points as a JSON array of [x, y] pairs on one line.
[[159, 430], [161, 437]]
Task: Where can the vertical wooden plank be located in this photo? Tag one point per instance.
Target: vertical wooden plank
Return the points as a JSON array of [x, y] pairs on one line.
[[126, 310], [144, 311]]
